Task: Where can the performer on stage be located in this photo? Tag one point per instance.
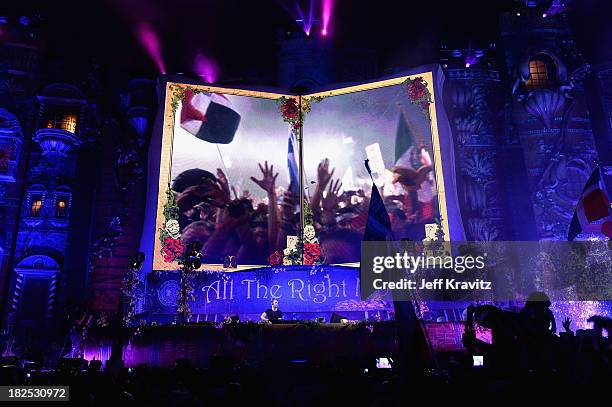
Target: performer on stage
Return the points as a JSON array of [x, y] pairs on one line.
[[272, 314]]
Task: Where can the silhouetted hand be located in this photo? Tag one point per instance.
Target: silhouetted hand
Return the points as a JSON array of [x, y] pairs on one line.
[[323, 174], [567, 324], [269, 178], [223, 181], [214, 194], [332, 198], [227, 222], [288, 205], [208, 191]]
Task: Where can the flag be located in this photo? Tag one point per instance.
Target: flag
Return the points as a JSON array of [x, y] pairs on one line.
[[405, 140], [209, 116], [411, 334], [409, 153], [378, 226], [593, 205], [294, 175]]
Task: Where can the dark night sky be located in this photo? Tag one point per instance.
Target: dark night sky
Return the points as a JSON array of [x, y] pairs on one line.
[[242, 33]]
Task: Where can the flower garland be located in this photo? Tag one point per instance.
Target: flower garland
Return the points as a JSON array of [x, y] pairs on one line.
[[178, 94], [419, 94], [308, 244], [190, 262], [131, 282], [169, 234], [290, 109]]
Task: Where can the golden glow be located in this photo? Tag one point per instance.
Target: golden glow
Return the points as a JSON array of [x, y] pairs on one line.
[[61, 208], [538, 74], [36, 207], [67, 122]]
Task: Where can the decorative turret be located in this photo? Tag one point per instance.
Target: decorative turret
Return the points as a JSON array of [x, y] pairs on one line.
[[61, 116], [11, 139], [549, 113]]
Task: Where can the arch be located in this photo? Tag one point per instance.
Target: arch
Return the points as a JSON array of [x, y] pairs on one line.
[[555, 68], [308, 83], [62, 90], [38, 265]]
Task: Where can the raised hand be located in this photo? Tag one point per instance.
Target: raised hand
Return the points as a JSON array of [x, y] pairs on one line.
[[223, 182], [288, 205], [323, 174], [228, 222], [208, 191], [214, 194], [567, 323], [268, 180], [332, 198]]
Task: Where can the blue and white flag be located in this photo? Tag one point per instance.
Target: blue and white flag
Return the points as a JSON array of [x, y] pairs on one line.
[[292, 164]]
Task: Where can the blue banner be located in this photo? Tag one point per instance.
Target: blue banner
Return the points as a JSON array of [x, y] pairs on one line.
[[299, 289]]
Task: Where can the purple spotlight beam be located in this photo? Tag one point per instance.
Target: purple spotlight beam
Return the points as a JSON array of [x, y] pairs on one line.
[[306, 22], [149, 40], [205, 67], [327, 7]]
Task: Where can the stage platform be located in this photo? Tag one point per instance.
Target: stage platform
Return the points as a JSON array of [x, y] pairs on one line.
[[362, 343]]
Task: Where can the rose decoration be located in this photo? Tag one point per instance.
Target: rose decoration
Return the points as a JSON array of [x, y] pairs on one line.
[[310, 234], [275, 258], [292, 242], [173, 246], [173, 228], [312, 253], [172, 249], [416, 91], [419, 94], [289, 109]]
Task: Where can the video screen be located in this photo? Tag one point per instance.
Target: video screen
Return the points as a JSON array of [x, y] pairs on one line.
[[229, 173], [381, 125], [228, 167]]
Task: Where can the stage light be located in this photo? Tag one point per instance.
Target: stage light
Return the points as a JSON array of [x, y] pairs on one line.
[[205, 67], [150, 42], [467, 64], [544, 15], [518, 14], [326, 15]]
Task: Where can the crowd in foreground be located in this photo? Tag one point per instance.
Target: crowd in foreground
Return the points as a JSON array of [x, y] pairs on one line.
[[524, 359]]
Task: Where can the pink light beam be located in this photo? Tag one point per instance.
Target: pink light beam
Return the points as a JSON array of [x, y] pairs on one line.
[[327, 7], [149, 40], [205, 67]]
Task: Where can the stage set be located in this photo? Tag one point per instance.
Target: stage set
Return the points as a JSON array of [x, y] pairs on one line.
[[208, 143], [234, 264]]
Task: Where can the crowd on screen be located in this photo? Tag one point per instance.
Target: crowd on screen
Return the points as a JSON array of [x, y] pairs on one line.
[[232, 224]]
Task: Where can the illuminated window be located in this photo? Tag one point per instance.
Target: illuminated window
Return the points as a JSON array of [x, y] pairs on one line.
[[69, 122], [61, 208], [538, 74], [66, 122], [36, 205]]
